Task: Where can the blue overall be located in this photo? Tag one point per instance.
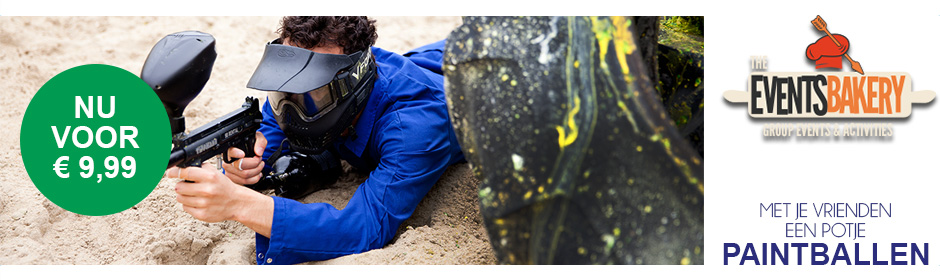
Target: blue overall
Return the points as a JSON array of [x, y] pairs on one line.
[[404, 136]]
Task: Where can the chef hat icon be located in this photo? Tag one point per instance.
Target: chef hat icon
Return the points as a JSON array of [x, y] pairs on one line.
[[826, 53]]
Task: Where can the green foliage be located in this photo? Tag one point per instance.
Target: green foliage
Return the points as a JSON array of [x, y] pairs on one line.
[[688, 25]]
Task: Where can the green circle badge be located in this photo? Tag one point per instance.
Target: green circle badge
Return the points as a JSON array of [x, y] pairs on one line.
[[95, 140]]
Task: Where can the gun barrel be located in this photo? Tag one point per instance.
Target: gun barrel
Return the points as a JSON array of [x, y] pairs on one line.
[[176, 157]]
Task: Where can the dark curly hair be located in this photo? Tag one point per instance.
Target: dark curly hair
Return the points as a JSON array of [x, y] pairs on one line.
[[351, 33]]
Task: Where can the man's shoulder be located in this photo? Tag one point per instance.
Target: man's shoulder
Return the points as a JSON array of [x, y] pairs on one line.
[[388, 60], [403, 84], [399, 70]]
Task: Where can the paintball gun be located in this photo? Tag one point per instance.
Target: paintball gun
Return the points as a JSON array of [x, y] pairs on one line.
[[177, 69]]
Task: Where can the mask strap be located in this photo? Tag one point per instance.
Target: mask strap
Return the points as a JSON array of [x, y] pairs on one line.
[[276, 154]]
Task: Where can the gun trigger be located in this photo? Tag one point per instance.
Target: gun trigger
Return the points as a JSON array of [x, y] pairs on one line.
[[227, 159]]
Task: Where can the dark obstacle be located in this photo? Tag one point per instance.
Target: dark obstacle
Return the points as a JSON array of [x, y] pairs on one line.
[[579, 161]]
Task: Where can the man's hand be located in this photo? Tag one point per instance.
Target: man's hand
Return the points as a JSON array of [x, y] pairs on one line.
[[212, 197], [246, 171]]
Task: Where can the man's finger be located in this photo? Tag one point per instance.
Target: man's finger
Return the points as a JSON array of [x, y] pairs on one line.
[[246, 177], [260, 143], [172, 172], [253, 176], [253, 180], [248, 163], [250, 167], [196, 174], [194, 189], [176, 173], [235, 153], [192, 201]]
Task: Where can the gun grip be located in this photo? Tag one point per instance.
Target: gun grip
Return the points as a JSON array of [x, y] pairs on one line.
[[248, 147]]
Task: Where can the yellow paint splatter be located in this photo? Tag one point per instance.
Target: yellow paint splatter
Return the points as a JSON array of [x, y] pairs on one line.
[[617, 30], [647, 209], [503, 196], [623, 107], [639, 148], [623, 34], [683, 165], [601, 29], [566, 139], [685, 261], [623, 44], [527, 195], [656, 137]]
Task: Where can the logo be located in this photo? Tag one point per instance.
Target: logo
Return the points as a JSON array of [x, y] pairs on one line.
[[231, 132], [828, 53], [832, 93], [207, 145], [362, 65]]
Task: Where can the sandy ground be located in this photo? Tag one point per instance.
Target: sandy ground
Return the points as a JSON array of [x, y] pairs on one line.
[[445, 229]]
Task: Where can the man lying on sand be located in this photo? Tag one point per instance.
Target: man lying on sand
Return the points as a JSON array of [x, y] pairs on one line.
[[331, 94]]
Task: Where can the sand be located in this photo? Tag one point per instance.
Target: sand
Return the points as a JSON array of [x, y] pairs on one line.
[[445, 229]]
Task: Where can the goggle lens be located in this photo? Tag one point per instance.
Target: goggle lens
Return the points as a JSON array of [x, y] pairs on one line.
[[310, 104]]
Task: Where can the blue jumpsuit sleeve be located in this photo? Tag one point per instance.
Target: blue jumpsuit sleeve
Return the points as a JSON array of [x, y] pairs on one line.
[[272, 132], [416, 149]]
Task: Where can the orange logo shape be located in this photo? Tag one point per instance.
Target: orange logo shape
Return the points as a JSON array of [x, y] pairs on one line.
[[828, 53]]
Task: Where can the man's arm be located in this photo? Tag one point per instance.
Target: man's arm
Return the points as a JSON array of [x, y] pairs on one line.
[[257, 212], [213, 197]]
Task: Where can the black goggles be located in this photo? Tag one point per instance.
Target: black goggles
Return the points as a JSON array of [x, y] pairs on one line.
[[312, 104], [312, 83]]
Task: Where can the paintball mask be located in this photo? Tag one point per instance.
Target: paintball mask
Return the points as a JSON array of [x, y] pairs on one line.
[[314, 96]]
